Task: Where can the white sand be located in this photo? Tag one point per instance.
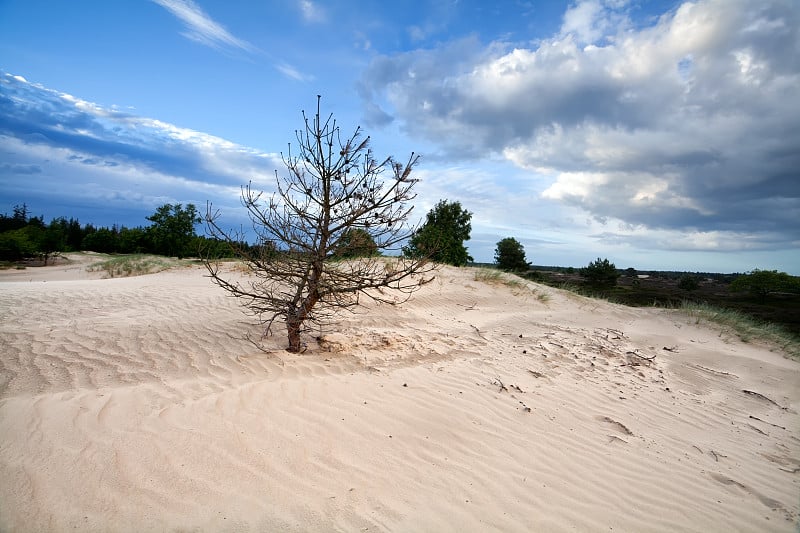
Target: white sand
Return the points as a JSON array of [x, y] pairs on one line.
[[135, 405]]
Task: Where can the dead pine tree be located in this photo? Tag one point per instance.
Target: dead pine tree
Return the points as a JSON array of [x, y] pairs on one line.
[[334, 186]]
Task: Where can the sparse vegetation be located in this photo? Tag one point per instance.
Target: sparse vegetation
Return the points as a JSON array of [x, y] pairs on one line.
[[134, 265], [493, 276], [662, 289], [761, 304], [543, 297], [745, 327]]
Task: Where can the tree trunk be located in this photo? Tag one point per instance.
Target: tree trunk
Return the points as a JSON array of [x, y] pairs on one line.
[[293, 329], [294, 323]]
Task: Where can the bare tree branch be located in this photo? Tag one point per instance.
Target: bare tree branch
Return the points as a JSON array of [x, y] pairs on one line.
[[332, 187]]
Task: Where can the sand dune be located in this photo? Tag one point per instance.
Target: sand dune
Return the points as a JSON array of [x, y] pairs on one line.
[[136, 404]]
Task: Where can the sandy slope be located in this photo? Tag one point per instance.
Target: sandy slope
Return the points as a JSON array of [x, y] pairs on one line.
[[135, 405]]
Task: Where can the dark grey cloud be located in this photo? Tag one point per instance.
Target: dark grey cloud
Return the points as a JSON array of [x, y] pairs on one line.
[[689, 124], [85, 154], [20, 169], [41, 116], [94, 135]]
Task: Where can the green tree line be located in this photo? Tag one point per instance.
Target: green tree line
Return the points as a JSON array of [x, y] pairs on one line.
[[171, 232]]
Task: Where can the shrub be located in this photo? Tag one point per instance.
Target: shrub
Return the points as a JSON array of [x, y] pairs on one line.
[[355, 242], [688, 283], [762, 283], [510, 255], [600, 272]]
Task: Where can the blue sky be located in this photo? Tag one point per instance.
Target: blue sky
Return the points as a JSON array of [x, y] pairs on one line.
[[660, 134]]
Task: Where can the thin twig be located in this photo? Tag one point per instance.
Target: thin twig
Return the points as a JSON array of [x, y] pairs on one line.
[[717, 455], [759, 395], [770, 423], [641, 356], [751, 426], [718, 372], [478, 332]]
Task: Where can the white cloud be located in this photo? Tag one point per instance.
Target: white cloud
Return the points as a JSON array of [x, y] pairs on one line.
[[291, 72], [687, 125], [585, 21], [200, 27], [311, 11]]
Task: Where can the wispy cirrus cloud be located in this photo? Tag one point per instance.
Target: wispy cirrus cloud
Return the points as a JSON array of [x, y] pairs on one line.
[[201, 28], [291, 72]]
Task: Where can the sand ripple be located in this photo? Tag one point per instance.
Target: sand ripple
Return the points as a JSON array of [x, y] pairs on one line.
[[136, 404]]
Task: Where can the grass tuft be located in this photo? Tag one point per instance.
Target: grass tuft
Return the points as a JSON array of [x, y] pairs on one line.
[[498, 277], [744, 326], [734, 322], [519, 286], [543, 297], [134, 265]]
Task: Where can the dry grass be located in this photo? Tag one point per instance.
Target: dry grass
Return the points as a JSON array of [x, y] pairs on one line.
[[518, 285], [743, 326], [135, 265]]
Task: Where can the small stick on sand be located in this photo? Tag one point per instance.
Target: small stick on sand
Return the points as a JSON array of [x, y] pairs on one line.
[[478, 332], [770, 423], [718, 372], [620, 425], [641, 356], [716, 455], [759, 395]]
